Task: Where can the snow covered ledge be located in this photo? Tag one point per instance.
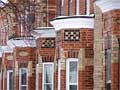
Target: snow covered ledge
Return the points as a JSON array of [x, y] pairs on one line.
[[108, 5], [43, 32], [21, 42], [64, 22]]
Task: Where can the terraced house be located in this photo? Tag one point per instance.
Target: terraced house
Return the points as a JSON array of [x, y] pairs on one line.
[[59, 44]]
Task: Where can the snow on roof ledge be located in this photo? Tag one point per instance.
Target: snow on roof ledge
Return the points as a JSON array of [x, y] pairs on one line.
[[21, 43], [73, 22], [5, 49], [44, 32], [107, 5]]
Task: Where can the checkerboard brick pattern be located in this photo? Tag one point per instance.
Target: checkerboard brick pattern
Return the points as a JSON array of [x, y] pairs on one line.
[[48, 43], [72, 35]]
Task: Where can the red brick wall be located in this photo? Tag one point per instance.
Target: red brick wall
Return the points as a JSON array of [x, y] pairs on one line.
[[51, 10], [5, 83], [8, 63], [30, 57], [55, 80], [85, 80], [47, 54], [86, 41], [63, 80], [40, 81], [82, 8], [16, 85], [31, 82], [111, 23]]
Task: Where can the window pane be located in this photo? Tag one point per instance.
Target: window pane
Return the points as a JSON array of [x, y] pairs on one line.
[[23, 77], [10, 80], [48, 73], [47, 87], [73, 72], [73, 87], [23, 88]]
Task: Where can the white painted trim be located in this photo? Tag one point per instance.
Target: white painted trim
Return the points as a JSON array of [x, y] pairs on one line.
[[77, 7], [52, 75], [26, 69], [67, 23], [37, 76], [88, 7], [67, 72], [62, 4], [108, 5], [9, 71], [3, 79], [59, 74]]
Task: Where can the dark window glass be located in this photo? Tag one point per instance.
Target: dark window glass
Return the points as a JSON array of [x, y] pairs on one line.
[[23, 88], [11, 81], [47, 87], [73, 87], [73, 72], [23, 77]]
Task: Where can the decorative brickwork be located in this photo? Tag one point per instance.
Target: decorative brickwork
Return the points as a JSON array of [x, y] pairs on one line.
[[71, 35], [81, 59], [77, 36], [48, 43], [115, 48]]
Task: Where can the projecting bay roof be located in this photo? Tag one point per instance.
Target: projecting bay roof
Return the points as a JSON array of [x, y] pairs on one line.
[[108, 5], [64, 22], [4, 49], [43, 32], [17, 42], [21, 42]]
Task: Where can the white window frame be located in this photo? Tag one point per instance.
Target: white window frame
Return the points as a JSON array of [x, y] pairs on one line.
[[62, 7], [59, 74], [67, 72], [26, 69], [8, 72], [77, 7], [52, 75], [37, 76], [3, 79], [87, 7]]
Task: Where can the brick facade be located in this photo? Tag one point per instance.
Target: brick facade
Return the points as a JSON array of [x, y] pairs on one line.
[[66, 39]]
